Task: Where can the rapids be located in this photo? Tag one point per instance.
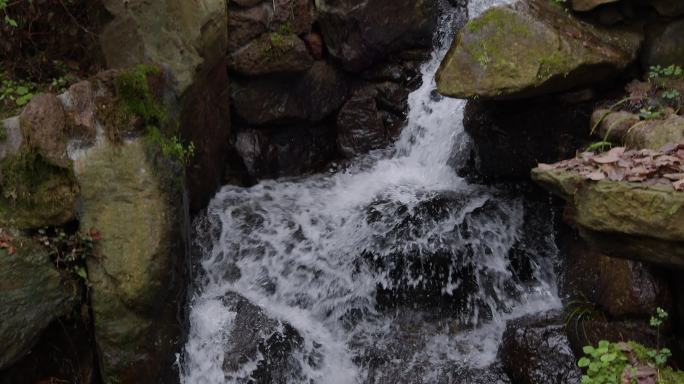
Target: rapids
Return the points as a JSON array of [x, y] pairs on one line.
[[393, 269]]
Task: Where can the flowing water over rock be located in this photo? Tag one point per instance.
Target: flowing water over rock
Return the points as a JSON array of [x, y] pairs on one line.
[[393, 270]]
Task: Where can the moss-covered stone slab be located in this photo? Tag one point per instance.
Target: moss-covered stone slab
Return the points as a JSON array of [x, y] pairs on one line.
[[633, 220], [33, 293], [131, 277], [628, 129], [530, 48]]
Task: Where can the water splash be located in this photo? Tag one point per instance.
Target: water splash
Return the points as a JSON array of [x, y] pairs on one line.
[[394, 267]]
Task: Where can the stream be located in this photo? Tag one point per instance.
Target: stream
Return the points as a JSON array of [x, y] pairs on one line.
[[391, 270]]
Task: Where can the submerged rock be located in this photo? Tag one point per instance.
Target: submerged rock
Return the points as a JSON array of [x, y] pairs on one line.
[[256, 338], [33, 293], [531, 48], [360, 33], [535, 350]]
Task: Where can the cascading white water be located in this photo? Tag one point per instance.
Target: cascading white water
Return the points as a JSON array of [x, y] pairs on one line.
[[355, 260]]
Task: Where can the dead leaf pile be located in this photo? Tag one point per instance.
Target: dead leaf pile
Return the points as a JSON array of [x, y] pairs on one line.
[[665, 166]]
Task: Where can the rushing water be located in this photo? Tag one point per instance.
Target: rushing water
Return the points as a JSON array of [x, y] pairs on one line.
[[393, 270]]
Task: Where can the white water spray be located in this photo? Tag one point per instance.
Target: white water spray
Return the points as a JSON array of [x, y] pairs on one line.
[[354, 260]]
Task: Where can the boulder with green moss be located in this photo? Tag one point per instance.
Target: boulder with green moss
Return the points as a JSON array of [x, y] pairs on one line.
[[36, 181], [629, 129], [33, 293], [132, 277], [622, 219], [530, 48]]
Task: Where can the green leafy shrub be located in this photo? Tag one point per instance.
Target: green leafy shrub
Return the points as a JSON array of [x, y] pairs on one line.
[[618, 363]]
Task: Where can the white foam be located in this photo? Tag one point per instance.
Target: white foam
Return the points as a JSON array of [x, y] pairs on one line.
[[298, 246]]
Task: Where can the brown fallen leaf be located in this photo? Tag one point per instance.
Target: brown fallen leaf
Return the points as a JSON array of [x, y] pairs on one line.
[[545, 167], [596, 176], [678, 185]]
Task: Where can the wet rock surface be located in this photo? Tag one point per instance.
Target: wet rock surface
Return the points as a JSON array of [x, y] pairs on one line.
[[256, 337], [510, 138], [536, 350], [360, 34]]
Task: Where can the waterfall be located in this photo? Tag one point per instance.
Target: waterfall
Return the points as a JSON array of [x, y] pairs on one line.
[[393, 267]]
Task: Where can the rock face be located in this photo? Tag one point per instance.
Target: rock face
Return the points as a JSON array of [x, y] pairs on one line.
[[32, 295], [620, 287], [308, 98], [271, 53], [285, 151], [530, 48], [623, 219], [38, 188], [358, 34], [360, 125], [132, 276], [188, 40], [666, 46], [256, 337], [587, 5], [511, 137], [535, 350]]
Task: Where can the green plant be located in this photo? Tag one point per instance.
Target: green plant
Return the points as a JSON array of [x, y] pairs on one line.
[[599, 146], [172, 147], [19, 93], [672, 71], [651, 113], [69, 250], [617, 363], [8, 20]]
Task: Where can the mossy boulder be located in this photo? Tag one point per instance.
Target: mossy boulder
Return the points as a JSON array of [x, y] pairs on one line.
[[132, 277], [628, 129], [665, 45], [621, 219], [36, 183], [33, 293], [531, 48]]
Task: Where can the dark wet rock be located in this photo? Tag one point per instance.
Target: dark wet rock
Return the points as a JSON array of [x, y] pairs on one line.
[[64, 353], [358, 34], [306, 98], [665, 45], [588, 5], [360, 126], [254, 336], [399, 356], [536, 350], [271, 53], [206, 122], [620, 287], [592, 329], [33, 294], [667, 7], [285, 151], [511, 137], [249, 20]]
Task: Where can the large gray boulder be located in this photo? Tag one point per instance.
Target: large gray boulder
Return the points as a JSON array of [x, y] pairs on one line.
[[529, 48]]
